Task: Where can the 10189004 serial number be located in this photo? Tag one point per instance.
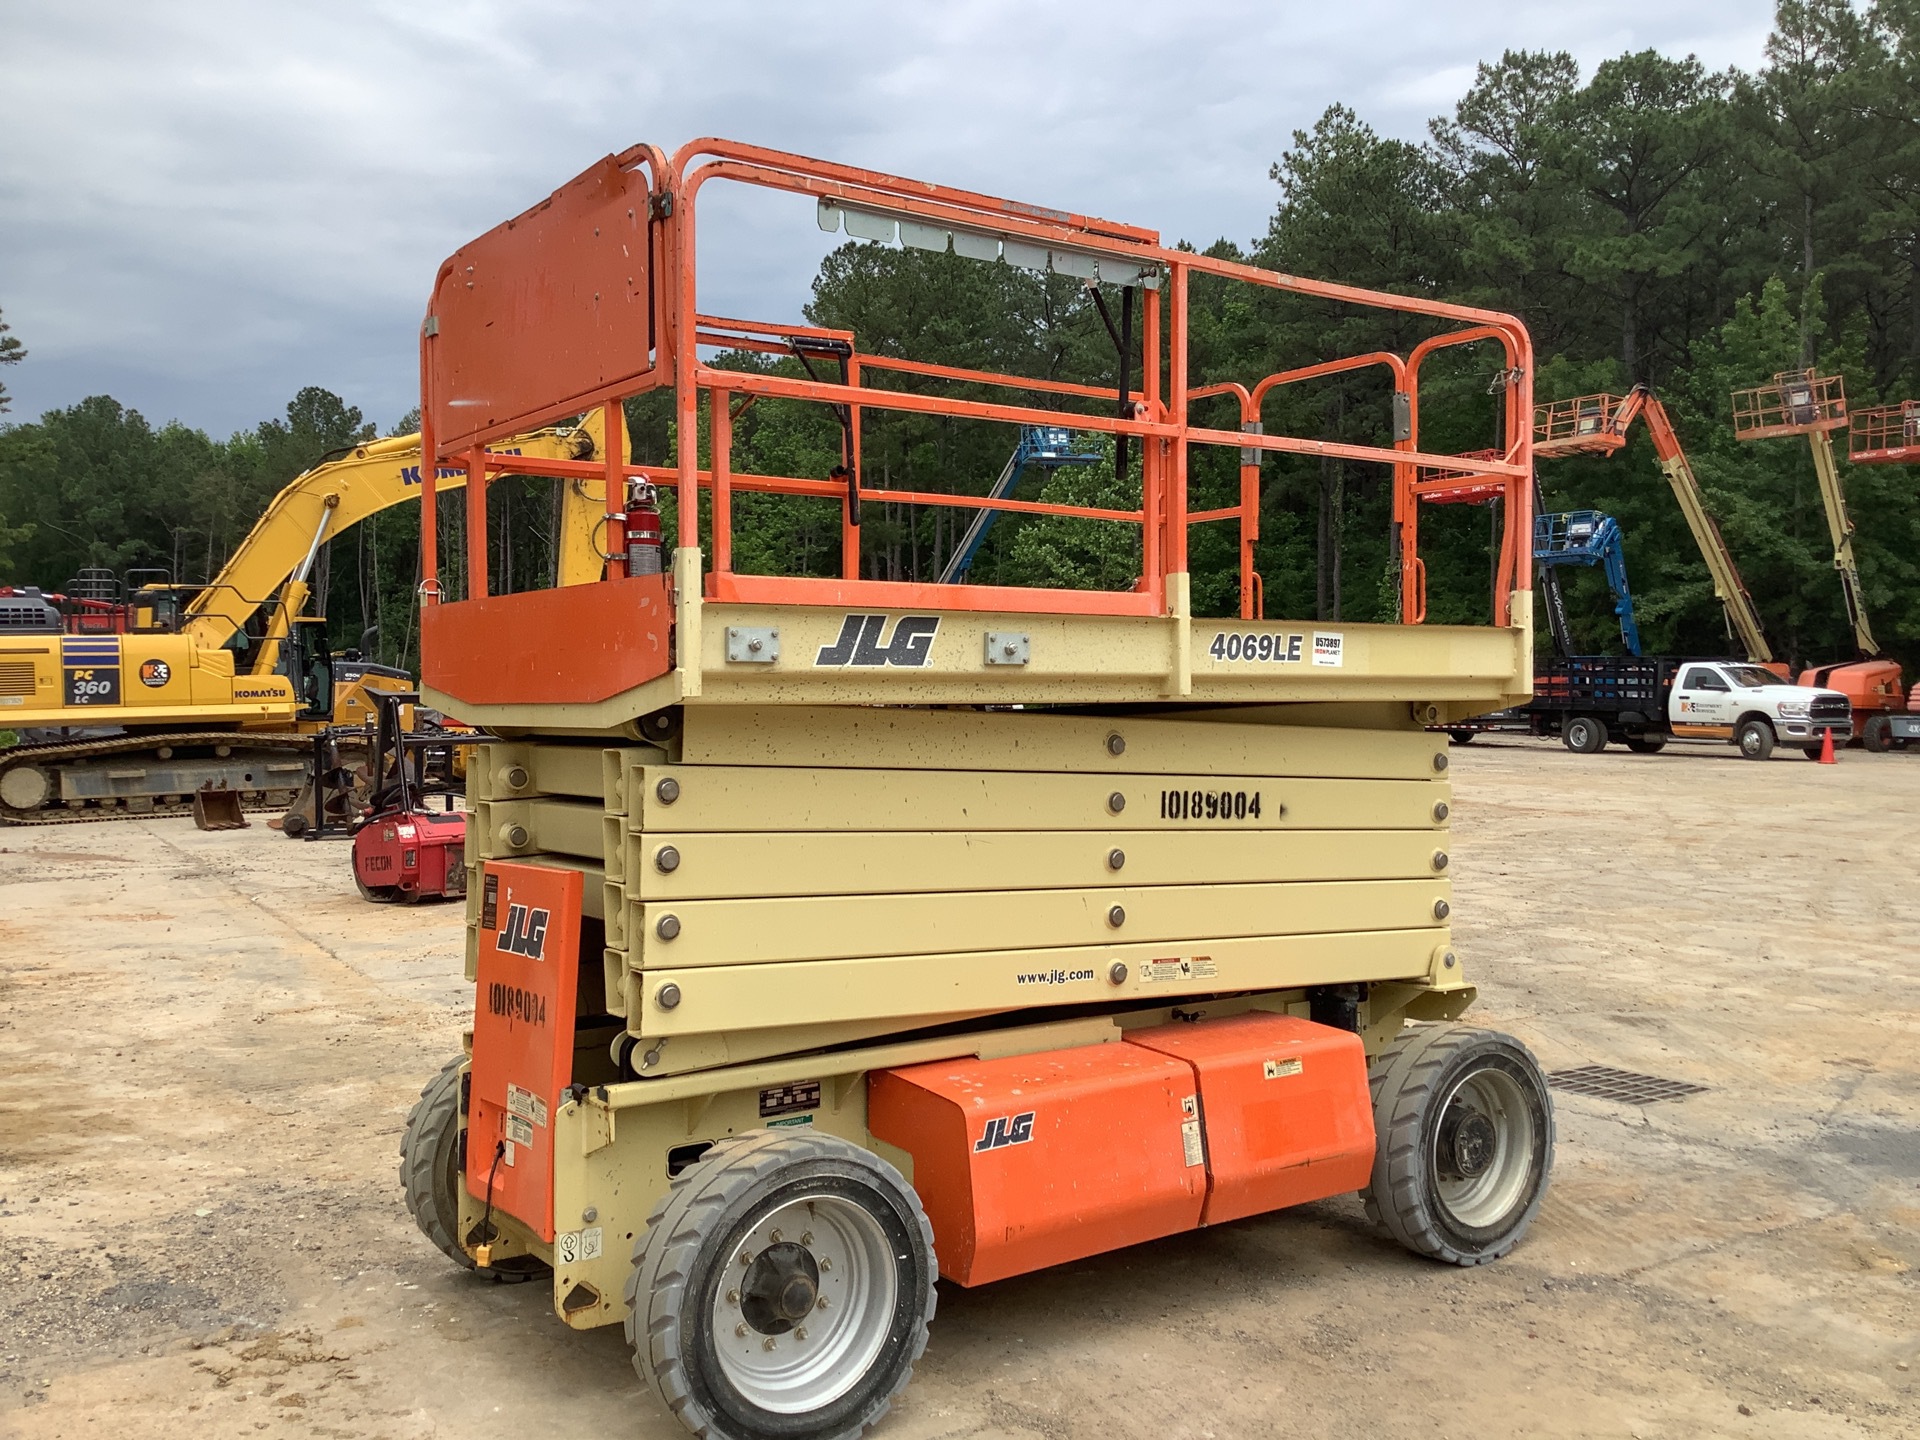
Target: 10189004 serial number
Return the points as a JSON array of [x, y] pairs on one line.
[[1209, 804]]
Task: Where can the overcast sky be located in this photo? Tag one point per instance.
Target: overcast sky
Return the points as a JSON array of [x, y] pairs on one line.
[[205, 205]]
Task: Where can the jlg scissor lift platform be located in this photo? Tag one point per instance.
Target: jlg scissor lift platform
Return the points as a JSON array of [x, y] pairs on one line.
[[829, 933]]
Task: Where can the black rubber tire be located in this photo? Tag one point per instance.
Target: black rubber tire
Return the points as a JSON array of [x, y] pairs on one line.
[[1411, 1080], [1584, 735], [1812, 752], [692, 1235], [1461, 737], [376, 894], [1646, 744], [1754, 739], [430, 1174], [1876, 736]]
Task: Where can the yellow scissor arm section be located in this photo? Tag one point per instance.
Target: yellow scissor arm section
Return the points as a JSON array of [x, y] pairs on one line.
[[278, 553], [1728, 587]]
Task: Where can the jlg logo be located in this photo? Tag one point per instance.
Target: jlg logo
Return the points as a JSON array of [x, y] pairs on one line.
[[1005, 1130], [525, 932], [859, 642]]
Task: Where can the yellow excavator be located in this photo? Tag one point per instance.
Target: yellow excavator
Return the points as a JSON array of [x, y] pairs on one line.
[[125, 694]]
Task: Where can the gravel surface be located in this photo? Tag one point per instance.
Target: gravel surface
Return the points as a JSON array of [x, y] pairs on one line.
[[208, 1045]]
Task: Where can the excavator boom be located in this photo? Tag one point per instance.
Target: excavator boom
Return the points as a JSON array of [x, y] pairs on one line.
[[333, 497]]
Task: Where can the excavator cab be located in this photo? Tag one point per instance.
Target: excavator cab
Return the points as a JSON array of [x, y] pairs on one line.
[[309, 664]]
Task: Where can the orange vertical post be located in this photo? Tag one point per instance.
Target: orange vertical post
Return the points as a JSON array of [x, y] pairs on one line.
[[476, 522], [720, 462], [614, 501]]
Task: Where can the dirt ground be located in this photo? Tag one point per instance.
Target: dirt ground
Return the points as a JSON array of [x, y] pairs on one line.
[[208, 1046]]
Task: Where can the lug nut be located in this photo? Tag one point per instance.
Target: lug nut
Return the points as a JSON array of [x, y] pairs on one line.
[[668, 996], [733, 1297], [821, 1303], [769, 1344], [666, 859], [806, 1238], [826, 1263], [799, 1332], [668, 790], [669, 925], [741, 1331]]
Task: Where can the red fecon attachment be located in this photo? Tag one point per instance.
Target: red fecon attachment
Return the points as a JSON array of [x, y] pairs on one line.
[[1039, 1159], [522, 1035]]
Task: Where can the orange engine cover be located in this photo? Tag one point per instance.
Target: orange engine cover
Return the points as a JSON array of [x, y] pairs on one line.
[[1038, 1159], [1284, 1104], [522, 1035]]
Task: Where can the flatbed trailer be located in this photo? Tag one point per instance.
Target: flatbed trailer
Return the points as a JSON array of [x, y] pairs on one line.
[[1589, 702], [830, 935]]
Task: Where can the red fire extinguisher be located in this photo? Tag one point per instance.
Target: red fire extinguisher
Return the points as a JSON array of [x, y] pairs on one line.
[[643, 528]]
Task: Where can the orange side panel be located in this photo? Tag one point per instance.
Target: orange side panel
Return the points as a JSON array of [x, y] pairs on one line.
[[1039, 1159], [575, 645], [548, 308], [1285, 1105], [522, 1035]]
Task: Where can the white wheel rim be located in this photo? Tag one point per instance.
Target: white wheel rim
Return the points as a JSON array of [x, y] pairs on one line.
[[1491, 1107], [814, 1361]]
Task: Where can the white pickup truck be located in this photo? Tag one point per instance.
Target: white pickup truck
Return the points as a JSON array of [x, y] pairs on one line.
[[1642, 702], [1753, 708]]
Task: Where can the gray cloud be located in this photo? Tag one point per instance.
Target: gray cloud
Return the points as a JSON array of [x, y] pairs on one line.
[[204, 207]]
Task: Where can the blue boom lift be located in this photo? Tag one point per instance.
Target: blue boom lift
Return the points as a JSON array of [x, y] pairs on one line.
[[1582, 537], [1041, 447]]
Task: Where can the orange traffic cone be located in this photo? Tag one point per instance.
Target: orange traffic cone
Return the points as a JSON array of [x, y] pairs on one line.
[[1826, 747]]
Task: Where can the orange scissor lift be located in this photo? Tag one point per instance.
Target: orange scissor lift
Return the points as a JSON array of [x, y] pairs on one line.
[[832, 933]]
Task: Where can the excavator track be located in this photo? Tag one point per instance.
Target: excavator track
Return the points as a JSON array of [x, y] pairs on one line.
[[65, 782]]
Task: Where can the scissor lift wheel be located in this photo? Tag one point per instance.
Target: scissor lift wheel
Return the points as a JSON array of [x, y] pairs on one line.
[[430, 1173], [1464, 1129], [782, 1288]]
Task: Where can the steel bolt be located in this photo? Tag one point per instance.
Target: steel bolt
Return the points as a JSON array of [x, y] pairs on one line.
[[1440, 760], [516, 836], [666, 859], [589, 1215], [669, 925], [1117, 916], [1116, 744], [1116, 802], [1439, 859], [1117, 973], [1009, 649], [1441, 909], [516, 777], [1440, 810], [668, 790], [1449, 960], [667, 996], [1115, 859]]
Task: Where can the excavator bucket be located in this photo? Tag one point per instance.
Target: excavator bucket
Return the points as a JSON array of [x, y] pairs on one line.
[[217, 808]]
